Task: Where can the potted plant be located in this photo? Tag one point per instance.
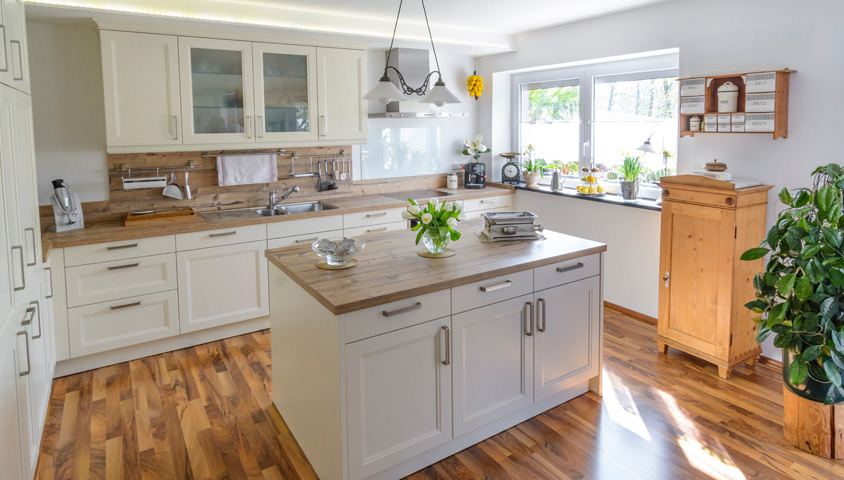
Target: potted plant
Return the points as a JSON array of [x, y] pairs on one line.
[[533, 171], [631, 168], [437, 223], [800, 295]]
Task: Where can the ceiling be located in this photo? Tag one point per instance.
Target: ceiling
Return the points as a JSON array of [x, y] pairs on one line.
[[470, 26]]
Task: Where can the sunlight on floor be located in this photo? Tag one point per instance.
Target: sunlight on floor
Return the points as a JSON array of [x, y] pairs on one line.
[[621, 407], [713, 460]]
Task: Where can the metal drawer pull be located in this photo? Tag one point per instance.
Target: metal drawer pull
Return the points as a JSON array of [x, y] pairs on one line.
[[175, 127], [224, 234], [38, 308], [382, 229], [370, 215], [120, 267], [27, 321], [121, 247], [447, 346], [569, 269], [248, 126], [34, 256], [49, 269], [493, 288], [528, 319], [308, 240], [118, 307], [487, 201], [402, 310], [260, 120], [542, 328], [28, 366], [23, 269]]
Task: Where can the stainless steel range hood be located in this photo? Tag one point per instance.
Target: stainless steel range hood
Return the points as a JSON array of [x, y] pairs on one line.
[[414, 65]]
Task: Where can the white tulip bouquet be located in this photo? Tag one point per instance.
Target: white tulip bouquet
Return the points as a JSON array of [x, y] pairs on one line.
[[475, 148], [437, 222]]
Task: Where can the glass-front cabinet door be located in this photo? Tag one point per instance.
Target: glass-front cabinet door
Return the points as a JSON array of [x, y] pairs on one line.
[[285, 92], [217, 91]]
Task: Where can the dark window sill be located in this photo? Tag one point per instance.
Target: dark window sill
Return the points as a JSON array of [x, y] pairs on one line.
[[611, 199]]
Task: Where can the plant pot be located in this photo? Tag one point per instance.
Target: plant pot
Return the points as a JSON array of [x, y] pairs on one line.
[[629, 190], [532, 179], [811, 389], [434, 242]]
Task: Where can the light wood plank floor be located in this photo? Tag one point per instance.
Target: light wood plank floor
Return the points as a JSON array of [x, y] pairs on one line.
[[206, 412]]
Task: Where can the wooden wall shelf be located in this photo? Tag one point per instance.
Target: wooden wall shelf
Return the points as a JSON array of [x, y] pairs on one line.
[[710, 94]]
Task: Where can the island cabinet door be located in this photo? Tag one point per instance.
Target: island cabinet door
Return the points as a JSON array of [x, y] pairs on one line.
[[566, 349], [493, 362], [398, 396]]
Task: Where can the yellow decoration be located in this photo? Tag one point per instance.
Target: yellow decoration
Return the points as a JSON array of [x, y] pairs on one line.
[[475, 85], [600, 189], [593, 190]]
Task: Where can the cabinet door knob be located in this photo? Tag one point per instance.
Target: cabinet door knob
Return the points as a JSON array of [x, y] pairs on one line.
[[666, 278]]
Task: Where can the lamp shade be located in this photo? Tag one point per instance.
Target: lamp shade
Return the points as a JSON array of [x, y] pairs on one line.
[[439, 95], [385, 91], [647, 147]]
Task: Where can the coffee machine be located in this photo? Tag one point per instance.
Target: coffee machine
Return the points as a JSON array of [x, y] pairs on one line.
[[66, 207], [474, 175]]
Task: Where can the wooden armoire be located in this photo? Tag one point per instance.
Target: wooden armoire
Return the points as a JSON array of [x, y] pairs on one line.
[[706, 225]]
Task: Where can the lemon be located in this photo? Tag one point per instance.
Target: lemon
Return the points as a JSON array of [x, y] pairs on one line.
[[580, 189], [593, 190], [600, 189], [590, 179]]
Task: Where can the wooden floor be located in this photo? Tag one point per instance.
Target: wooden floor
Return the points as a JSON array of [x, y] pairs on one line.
[[205, 412]]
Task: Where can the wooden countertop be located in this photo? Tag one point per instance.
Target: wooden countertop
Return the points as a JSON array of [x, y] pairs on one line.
[[116, 231], [390, 270]]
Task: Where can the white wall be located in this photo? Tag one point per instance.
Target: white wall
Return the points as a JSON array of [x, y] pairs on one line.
[[719, 36], [68, 114]]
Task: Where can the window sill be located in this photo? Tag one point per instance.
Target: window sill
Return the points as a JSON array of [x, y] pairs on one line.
[[609, 198]]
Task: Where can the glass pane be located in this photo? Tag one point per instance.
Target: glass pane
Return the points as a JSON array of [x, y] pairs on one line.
[[401, 152], [550, 121], [627, 113], [217, 77], [286, 92]]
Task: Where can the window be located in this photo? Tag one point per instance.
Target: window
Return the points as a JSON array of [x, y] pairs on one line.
[[589, 114]]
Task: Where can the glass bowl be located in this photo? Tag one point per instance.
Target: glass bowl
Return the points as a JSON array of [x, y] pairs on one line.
[[327, 248]]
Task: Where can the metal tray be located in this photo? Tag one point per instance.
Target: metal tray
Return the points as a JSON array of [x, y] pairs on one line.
[[509, 218]]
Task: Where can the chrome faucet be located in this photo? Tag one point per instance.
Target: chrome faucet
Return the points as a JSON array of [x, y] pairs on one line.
[[274, 202]]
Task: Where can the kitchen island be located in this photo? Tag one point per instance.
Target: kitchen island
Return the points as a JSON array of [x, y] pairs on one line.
[[382, 369]]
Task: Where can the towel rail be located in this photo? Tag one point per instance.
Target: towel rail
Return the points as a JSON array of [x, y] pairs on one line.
[[124, 169]]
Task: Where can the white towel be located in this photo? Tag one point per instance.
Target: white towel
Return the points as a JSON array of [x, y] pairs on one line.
[[246, 169]]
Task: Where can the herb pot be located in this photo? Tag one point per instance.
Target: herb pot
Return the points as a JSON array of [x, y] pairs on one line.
[[629, 190], [434, 241], [532, 179], [813, 388]]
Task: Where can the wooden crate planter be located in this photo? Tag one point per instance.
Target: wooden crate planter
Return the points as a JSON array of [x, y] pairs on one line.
[[813, 426]]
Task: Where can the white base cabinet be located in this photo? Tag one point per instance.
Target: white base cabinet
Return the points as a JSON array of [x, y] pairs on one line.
[[11, 454]]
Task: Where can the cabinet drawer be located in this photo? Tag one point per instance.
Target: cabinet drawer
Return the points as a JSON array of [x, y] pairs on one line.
[[566, 272], [393, 316], [223, 236], [372, 217], [292, 228], [111, 251], [121, 323], [102, 282], [499, 201], [387, 227], [302, 239], [490, 291]]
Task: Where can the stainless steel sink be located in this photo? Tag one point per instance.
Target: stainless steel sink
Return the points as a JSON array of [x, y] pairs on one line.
[[270, 212], [418, 194], [304, 207]]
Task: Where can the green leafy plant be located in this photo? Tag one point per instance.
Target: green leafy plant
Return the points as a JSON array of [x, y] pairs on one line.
[[530, 165], [800, 294], [631, 167]]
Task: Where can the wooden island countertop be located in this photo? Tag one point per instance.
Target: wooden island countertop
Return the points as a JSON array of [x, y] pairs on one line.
[[390, 270]]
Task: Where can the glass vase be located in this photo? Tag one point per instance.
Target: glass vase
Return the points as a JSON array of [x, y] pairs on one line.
[[435, 242]]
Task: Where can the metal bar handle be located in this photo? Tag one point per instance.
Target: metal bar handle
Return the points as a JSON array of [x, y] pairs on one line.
[[38, 310], [493, 288], [120, 267], [34, 257], [50, 270], [28, 366], [307, 240], [260, 120], [447, 345], [370, 215], [248, 126], [118, 307], [23, 269], [528, 319], [324, 128], [121, 247], [382, 229], [541, 302], [569, 269], [27, 321], [393, 313], [175, 127], [223, 234]]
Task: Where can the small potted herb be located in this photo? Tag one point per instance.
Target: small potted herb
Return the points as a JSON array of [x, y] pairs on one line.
[[533, 171], [631, 168]]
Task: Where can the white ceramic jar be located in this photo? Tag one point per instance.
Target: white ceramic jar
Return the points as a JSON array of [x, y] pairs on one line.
[[694, 124], [451, 180], [728, 98]]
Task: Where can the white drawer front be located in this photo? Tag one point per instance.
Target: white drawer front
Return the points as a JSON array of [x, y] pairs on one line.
[[121, 323], [478, 294], [478, 214], [387, 227], [566, 272], [302, 239], [372, 217], [111, 251], [499, 201], [293, 228], [223, 236], [393, 316], [102, 282]]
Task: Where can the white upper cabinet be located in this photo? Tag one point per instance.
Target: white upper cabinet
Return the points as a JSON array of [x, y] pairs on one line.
[[141, 83], [217, 88], [342, 110], [285, 92], [14, 62]]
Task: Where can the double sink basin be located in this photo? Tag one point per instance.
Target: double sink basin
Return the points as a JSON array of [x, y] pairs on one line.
[[293, 209]]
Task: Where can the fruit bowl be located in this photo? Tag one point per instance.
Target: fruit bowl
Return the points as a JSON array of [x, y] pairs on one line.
[[337, 252]]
